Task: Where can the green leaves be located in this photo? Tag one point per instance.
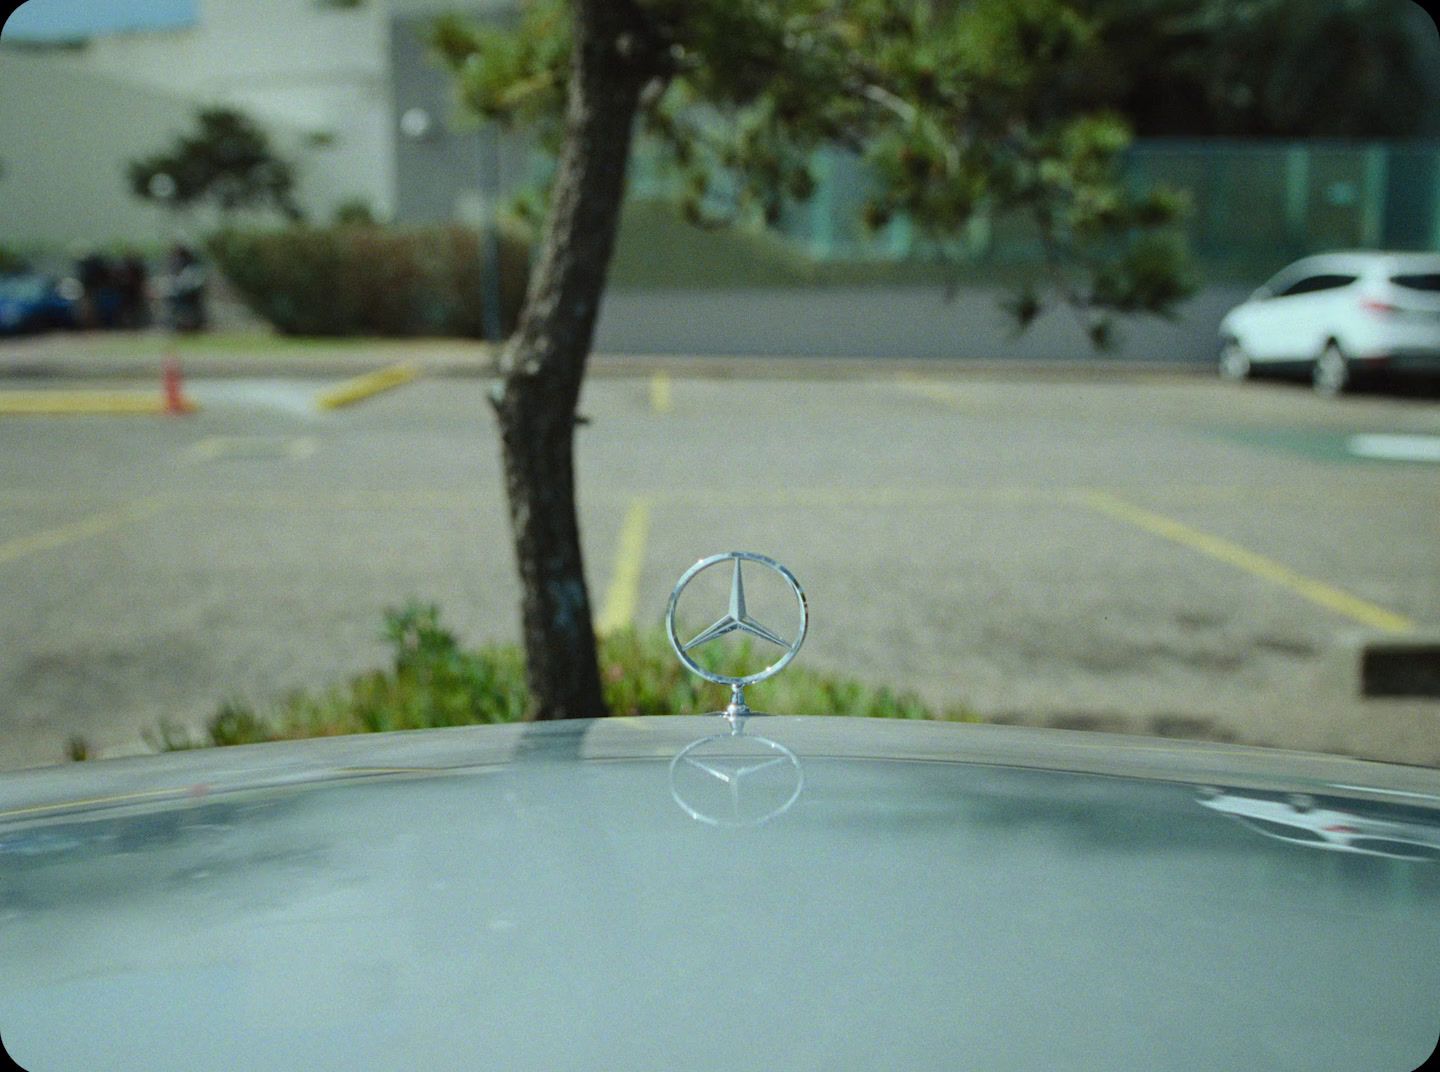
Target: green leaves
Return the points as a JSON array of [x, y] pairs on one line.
[[515, 77], [1021, 44], [1151, 274], [960, 111], [1269, 68], [226, 161]]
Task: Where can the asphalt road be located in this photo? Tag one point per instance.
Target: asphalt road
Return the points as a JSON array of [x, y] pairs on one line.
[[1170, 556]]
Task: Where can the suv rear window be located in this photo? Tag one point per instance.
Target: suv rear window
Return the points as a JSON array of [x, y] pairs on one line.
[[1312, 283], [1426, 281]]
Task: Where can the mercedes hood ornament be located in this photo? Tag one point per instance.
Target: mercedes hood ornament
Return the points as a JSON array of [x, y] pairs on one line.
[[737, 618]]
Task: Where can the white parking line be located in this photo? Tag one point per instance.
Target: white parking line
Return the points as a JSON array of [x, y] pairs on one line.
[[1396, 448]]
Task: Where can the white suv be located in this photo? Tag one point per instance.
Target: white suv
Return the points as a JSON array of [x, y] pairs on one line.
[[1340, 316]]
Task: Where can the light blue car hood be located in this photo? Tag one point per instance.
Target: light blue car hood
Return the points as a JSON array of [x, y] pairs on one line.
[[572, 896]]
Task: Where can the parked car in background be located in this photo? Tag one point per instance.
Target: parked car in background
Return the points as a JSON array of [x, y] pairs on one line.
[[32, 302], [1301, 819], [1341, 317]]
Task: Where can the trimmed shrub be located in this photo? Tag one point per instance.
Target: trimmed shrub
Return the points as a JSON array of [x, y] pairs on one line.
[[352, 280]]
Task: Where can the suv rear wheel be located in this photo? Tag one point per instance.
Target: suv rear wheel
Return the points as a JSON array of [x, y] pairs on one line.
[[1234, 362], [1331, 374]]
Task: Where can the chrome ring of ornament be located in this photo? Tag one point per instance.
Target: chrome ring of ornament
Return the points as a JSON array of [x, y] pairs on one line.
[[736, 619]]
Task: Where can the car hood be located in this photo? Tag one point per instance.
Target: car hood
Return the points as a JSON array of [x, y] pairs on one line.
[[629, 893]]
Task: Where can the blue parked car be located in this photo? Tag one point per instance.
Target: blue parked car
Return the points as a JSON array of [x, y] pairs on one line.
[[32, 302]]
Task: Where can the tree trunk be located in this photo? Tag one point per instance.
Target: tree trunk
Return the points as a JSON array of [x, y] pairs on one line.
[[543, 364]]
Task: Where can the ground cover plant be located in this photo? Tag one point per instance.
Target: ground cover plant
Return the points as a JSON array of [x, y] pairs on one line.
[[432, 681]]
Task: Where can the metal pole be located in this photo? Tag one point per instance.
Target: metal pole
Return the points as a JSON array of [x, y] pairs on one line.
[[1297, 195], [490, 320], [1372, 209]]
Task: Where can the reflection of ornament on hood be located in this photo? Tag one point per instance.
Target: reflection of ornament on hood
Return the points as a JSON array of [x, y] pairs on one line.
[[735, 779]]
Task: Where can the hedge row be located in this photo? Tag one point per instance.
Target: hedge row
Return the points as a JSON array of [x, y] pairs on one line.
[[354, 280]]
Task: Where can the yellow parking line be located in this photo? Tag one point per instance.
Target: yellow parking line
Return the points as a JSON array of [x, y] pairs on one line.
[[910, 382], [60, 403], [93, 525], [946, 394], [619, 607], [660, 392], [1315, 591], [372, 383]]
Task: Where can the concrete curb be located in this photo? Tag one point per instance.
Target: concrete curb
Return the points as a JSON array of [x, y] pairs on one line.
[[19, 363]]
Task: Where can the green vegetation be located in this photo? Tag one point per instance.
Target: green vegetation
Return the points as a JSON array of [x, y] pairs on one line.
[[959, 112], [357, 280], [433, 681], [12, 260], [1264, 68], [996, 113], [355, 212], [657, 249], [225, 161]]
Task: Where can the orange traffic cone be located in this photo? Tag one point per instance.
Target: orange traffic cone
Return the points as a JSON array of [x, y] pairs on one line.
[[174, 388]]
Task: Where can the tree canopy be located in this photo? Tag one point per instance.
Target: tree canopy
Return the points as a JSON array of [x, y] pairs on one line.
[[226, 161], [1267, 68], [991, 107], [960, 110]]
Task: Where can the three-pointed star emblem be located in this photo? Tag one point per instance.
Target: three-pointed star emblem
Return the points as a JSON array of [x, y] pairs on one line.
[[735, 619], [733, 771]]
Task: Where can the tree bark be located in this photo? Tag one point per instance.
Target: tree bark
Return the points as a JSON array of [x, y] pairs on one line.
[[543, 364]]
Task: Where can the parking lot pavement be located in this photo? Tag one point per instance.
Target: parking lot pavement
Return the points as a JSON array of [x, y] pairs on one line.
[[1184, 558]]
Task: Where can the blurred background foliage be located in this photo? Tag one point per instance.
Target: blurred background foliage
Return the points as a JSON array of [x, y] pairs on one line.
[[929, 143], [957, 111], [226, 161], [1210, 85], [1262, 68]]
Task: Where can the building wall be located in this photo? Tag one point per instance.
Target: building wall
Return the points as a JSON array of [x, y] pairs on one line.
[[317, 77], [890, 321], [317, 68], [65, 137], [456, 167]]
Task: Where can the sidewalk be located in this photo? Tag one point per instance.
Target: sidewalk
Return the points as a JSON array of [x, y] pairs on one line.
[[132, 356]]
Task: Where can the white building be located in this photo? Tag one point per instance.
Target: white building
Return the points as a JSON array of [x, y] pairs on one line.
[[318, 74]]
